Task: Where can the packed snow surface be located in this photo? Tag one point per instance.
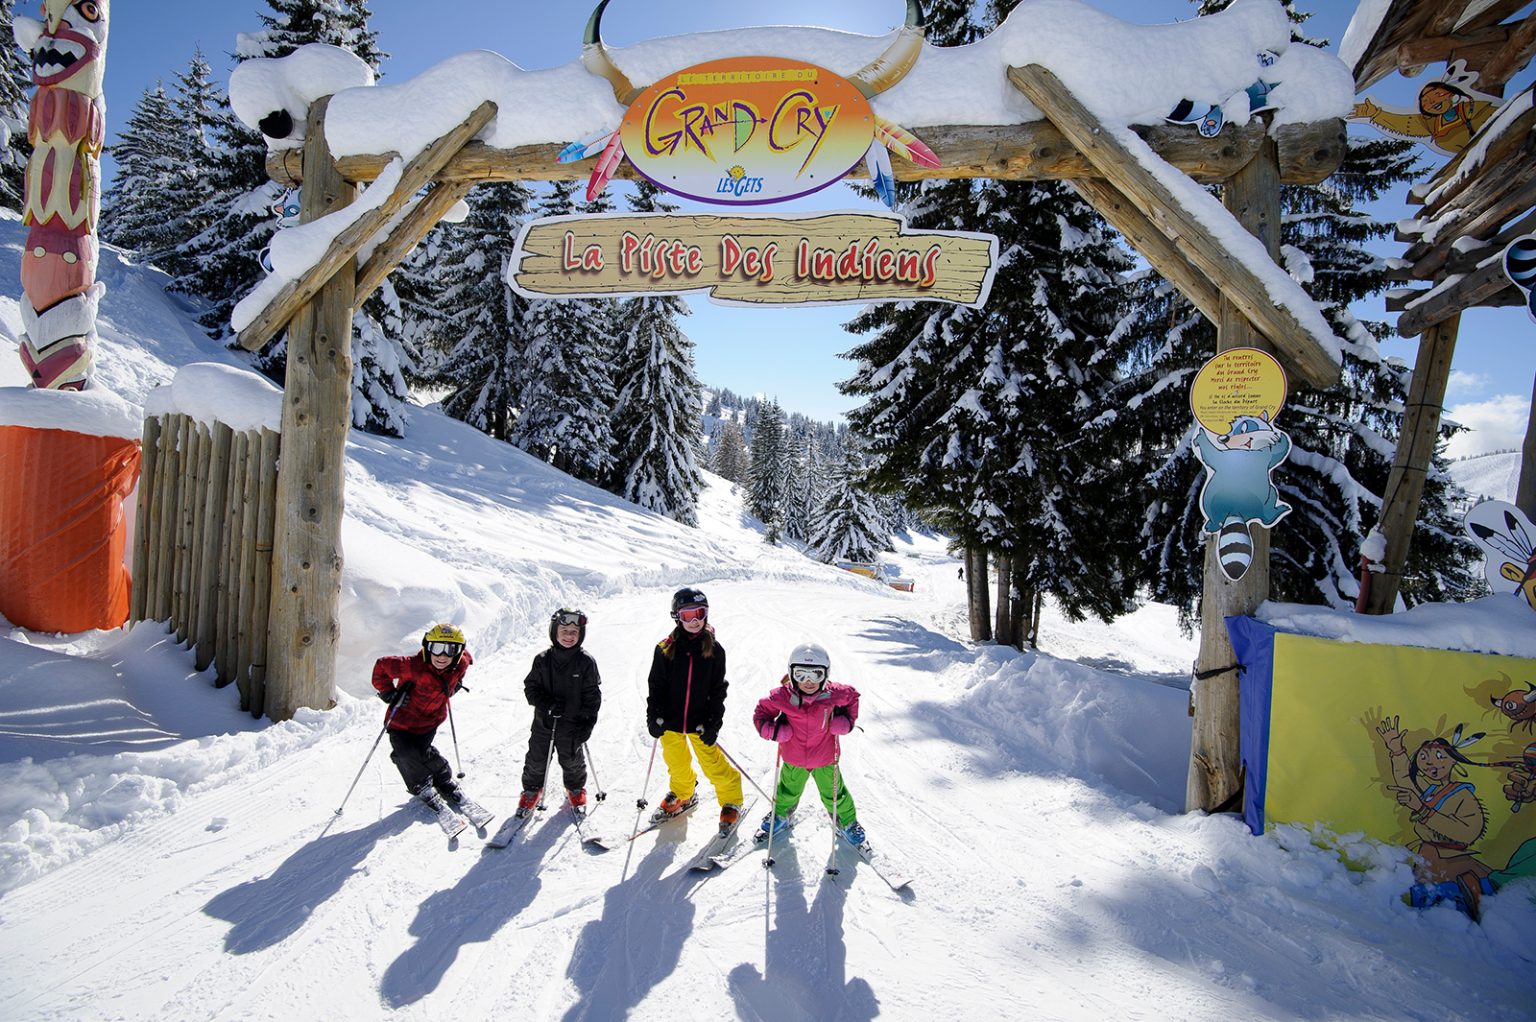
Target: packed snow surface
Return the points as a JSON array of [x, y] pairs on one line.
[[165, 856]]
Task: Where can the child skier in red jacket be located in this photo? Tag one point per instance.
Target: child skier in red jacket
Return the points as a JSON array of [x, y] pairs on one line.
[[806, 715], [417, 689]]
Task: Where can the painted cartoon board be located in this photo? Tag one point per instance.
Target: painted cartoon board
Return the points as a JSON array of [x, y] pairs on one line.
[[1509, 546], [1431, 749], [1450, 113], [1235, 398]]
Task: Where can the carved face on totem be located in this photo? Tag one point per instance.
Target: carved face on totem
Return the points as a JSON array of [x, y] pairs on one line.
[[69, 53]]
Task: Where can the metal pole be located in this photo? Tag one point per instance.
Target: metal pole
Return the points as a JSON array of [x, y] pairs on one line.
[[392, 711], [732, 760], [592, 769], [455, 733]]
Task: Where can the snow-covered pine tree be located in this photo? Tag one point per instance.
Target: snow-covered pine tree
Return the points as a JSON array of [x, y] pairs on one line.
[[295, 23], [807, 482], [15, 101], [222, 262], [1343, 439], [480, 340], [656, 412], [847, 524], [730, 460], [768, 473], [139, 208], [196, 100], [567, 394]]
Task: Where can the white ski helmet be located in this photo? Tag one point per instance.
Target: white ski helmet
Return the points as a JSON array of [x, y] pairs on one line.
[[808, 654]]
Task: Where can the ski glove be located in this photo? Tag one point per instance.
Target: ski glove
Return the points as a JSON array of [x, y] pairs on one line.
[[583, 730], [390, 695], [655, 727], [708, 735], [841, 723], [777, 730]]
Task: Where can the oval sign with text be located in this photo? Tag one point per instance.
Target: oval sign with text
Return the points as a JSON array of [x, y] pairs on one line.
[[748, 130]]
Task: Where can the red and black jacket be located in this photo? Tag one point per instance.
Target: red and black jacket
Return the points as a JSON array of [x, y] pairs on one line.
[[424, 706]]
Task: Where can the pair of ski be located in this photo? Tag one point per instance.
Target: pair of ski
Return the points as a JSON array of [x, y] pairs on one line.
[[455, 818], [516, 823], [721, 843], [882, 865]]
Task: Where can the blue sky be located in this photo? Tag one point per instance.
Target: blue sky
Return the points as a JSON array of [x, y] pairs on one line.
[[787, 353]]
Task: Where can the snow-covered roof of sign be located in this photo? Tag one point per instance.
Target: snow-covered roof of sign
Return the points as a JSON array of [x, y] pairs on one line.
[[1124, 73]]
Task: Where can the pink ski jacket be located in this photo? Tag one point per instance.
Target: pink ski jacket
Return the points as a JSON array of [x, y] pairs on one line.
[[807, 736]]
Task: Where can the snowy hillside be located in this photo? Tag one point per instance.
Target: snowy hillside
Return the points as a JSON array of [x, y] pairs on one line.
[[1494, 476], [163, 856]]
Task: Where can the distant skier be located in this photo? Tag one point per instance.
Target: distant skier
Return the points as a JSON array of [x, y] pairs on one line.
[[563, 688], [417, 688], [806, 714], [960, 574], [685, 705]]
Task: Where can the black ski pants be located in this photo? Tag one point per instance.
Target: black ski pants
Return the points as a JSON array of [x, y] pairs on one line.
[[567, 737], [419, 761]]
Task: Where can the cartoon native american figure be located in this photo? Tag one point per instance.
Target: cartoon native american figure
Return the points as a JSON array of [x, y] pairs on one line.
[[66, 127]]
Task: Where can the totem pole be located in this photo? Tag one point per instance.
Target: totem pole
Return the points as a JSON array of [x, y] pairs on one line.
[[66, 127]]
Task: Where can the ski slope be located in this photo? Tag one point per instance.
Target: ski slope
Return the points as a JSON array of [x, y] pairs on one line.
[[163, 856]]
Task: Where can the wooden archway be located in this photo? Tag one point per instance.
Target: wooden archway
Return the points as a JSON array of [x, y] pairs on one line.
[[1250, 162]]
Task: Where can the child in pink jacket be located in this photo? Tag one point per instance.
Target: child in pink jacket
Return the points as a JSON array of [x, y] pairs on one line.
[[805, 715]]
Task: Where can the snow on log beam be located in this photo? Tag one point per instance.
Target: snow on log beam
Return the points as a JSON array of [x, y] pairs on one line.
[[1486, 285], [416, 175], [1034, 150], [1201, 230], [423, 216]]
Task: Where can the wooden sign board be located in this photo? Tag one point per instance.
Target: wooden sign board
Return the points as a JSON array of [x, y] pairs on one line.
[[810, 259]]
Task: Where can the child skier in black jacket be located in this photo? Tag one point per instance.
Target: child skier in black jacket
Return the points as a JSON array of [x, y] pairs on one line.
[[563, 688]]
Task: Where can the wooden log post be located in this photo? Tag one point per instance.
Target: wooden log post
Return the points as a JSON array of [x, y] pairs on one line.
[[192, 476], [204, 446], [317, 412], [212, 543], [165, 503], [266, 516], [1415, 449], [1215, 766], [142, 530], [245, 604], [227, 652]]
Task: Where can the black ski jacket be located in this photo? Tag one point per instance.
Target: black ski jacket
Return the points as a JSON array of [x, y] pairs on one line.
[[686, 687], [565, 682]]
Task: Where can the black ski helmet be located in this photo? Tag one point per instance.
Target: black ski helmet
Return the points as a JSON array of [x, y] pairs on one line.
[[688, 597], [568, 616]]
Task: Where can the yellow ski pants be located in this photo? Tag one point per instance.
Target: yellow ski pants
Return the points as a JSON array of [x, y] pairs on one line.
[[725, 778]]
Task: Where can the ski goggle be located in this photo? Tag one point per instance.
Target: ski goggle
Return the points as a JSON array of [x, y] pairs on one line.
[[816, 674], [571, 617], [444, 648], [693, 613]]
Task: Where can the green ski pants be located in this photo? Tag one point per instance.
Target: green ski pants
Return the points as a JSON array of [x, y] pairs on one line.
[[792, 782]]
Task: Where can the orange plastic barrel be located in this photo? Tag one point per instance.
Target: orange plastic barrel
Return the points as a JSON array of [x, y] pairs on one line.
[[63, 529]]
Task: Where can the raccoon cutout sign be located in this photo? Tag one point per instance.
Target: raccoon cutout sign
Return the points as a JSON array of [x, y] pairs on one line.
[[1235, 398]]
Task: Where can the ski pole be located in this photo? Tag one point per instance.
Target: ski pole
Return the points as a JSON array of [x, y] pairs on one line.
[[732, 760], [640, 805], [392, 711], [773, 808], [837, 756], [592, 769], [455, 733]]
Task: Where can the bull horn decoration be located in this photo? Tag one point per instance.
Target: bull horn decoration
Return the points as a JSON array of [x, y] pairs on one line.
[[874, 78], [892, 66], [594, 56]]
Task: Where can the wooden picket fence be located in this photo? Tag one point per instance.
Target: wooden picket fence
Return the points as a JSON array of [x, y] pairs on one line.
[[202, 554]]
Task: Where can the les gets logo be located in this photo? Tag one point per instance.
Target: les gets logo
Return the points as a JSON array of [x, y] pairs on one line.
[[748, 130]]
